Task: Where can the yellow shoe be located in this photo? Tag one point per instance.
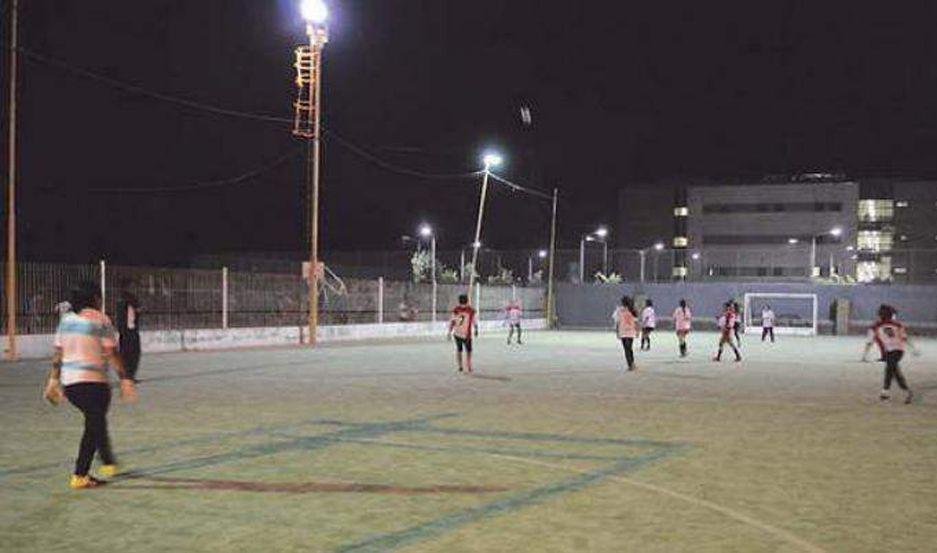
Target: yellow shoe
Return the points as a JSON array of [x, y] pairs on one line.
[[84, 482], [109, 471]]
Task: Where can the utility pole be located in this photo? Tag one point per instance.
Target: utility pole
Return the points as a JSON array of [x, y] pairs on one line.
[[11, 192]]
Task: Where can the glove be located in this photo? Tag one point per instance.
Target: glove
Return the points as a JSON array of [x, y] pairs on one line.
[[53, 392], [128, 391]]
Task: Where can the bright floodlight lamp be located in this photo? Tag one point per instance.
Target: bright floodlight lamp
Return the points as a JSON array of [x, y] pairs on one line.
[[542, 254], [314, 11], [476, 245], [659, 246], [426, 231], [492, 159], [601, 232], [837, 231], [792, 241], [695, 255]]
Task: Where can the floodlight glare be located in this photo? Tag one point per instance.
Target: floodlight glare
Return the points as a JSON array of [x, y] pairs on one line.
[[792, 240], [659, 246], [314, 11], [476, 245], [601, 232], [542, 253], [491, 159], [836, 231], [695, 255], [426, 231]]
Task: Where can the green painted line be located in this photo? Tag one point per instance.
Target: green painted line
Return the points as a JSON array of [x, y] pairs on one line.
[[448, 523]]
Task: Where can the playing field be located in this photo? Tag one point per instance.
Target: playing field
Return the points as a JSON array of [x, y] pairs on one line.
[[550, 447]]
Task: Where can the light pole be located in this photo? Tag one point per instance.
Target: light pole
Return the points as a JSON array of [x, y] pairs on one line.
[[426, 231], [599, 235], [307, 124], [11, 193], [814, 270], [490, 160]]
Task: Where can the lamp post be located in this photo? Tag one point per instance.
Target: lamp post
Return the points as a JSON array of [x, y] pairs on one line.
[[490, 159], [599, 235], [307, 125], [814, 270], [426, 231], [11, 194]]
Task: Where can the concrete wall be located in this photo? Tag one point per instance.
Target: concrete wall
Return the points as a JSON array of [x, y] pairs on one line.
[[39, 346], [591, 305]]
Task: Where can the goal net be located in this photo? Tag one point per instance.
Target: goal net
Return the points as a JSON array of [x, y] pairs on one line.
[[793, 313]]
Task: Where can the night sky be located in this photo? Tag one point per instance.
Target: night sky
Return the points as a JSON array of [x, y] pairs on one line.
[[620, 92]]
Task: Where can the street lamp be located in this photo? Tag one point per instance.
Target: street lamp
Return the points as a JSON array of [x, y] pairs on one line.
[[599, 235], [426, 232], [814, 270], [307, 125], [541, 254], [489, 159]]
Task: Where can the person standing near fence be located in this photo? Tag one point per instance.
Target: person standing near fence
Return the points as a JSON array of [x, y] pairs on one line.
[[128, 326], [513, 314], [85, 345], [767, 323]]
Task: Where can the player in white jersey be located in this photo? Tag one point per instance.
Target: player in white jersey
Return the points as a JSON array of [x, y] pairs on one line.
[[892, 338], [682, 320], [767, 323], [648, 324], [513, 314]]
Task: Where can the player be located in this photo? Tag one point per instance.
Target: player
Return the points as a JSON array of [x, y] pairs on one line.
[[461, 324], [682, 319], [85, 345], [128, 328], [892, 338], [648, 324], [727, 323], [626, 326], [738, 322], [513, 315], [767, 323]]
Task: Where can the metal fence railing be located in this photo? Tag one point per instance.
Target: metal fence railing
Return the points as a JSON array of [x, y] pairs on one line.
[[219, 298]]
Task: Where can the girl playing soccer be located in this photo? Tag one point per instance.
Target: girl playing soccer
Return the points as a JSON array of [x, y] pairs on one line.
[[648, 324], [682, 318], [85, 345], [892, 338], [727, 323], [626, 326]]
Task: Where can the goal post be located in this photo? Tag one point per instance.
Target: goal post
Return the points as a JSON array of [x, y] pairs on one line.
[[794, 314]]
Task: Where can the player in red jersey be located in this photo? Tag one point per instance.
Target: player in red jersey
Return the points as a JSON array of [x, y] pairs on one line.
[[461, 325], [726, 327], [892, 337]]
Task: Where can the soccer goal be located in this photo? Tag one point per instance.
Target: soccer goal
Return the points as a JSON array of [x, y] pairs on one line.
[[793, 313]]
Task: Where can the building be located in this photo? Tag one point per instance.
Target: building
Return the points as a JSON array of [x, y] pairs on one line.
[[815, 225]]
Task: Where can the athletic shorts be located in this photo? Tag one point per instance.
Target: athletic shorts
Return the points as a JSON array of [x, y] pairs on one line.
[[463, 343], [683, 331]]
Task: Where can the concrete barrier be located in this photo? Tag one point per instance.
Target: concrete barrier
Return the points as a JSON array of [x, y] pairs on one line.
[[39, 346]]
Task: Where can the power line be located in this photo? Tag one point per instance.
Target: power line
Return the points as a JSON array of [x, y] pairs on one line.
[[240, 179], [518, 188], [128, 87]]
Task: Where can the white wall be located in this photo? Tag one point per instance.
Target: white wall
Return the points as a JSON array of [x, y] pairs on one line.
[[157, 341]]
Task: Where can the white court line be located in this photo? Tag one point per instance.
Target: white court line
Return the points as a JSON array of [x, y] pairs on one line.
[[779, 533]]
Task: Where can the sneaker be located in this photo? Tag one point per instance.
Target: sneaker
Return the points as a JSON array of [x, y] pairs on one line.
[[884, 396], [909, 398], [109, 471], [84, 482]]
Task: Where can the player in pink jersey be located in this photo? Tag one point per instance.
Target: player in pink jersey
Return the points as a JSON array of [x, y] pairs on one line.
[[626, 328], [892, 337], [726, 324], [513, 314], [682, 320], [461, 325]]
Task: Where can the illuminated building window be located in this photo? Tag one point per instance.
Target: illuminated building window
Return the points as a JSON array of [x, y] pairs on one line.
[[680, 241], [874, 240], [681, 211], [901, 203], [871, 211], [901, 270], [679, 271]]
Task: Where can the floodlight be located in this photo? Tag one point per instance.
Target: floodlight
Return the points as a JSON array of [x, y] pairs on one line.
[[542, 254], [601, 232], [492, 159], [425, 230], [695, 255], [792, 240], [659, 246], [836, 231], [314, 11]]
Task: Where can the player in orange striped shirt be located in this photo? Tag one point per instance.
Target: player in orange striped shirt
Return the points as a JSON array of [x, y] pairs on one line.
[[85, 344]]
